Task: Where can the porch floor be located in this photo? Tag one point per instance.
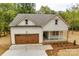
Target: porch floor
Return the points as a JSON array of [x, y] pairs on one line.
[[59, 46]]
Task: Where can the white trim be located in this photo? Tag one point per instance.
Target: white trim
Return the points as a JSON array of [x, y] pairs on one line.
[[32, 30], [49, 35], [55, 36]]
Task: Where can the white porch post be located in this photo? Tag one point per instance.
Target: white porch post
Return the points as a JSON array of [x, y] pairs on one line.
[[49, 35], [59, 35]]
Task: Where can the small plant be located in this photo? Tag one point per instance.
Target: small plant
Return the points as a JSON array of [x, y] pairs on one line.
[[74, 42]]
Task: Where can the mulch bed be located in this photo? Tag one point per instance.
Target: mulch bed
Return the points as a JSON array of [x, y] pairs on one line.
[[59, 46]]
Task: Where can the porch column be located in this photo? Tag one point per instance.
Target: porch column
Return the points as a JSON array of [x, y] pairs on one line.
[[59, 36], [49, 35], [67, 35]]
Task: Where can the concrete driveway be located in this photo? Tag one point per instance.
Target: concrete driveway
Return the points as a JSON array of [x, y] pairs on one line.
[[27, 50]]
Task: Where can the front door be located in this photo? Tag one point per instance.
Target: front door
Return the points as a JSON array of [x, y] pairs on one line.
[[45, 35]]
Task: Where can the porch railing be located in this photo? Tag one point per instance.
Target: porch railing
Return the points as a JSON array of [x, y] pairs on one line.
[[57, 37]]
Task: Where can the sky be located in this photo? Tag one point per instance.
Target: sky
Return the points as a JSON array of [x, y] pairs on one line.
[[57, 5]]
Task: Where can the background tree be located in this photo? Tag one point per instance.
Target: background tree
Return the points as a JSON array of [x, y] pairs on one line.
[[46, 10], [25, 8], [9, 10], [5, 16], [71, 16]]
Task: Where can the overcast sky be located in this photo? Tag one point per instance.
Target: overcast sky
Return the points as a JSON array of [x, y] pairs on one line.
[[53, 4], [57, 5]]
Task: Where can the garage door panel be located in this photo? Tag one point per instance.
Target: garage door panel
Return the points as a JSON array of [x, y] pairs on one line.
[[19, 39], [26, 38]]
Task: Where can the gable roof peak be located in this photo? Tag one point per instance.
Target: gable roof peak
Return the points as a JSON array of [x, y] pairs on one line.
[[38, 19]]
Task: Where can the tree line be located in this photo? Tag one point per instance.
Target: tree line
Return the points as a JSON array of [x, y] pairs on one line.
[[71, 16], [9, 10]]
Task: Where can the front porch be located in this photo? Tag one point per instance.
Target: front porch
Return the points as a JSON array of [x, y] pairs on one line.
[[55, 36]]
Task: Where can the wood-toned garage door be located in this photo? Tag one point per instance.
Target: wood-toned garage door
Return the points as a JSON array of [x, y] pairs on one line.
[[26, 38]]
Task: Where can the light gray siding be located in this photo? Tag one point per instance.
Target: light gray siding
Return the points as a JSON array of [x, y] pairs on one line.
[[51, 26]]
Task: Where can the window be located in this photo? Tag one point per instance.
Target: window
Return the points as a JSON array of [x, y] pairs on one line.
[[26, 21], [61, 32], [56, 22], [55, 33]]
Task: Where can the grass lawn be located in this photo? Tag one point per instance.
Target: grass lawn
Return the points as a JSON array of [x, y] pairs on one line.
[[4, 43]]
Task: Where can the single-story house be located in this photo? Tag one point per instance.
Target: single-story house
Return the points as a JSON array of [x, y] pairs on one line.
[[38, 28]]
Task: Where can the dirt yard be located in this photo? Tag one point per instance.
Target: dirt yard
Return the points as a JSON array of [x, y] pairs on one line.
[[71, 52], [74, 36], [4, 43], [66, 49], [60, 47]]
